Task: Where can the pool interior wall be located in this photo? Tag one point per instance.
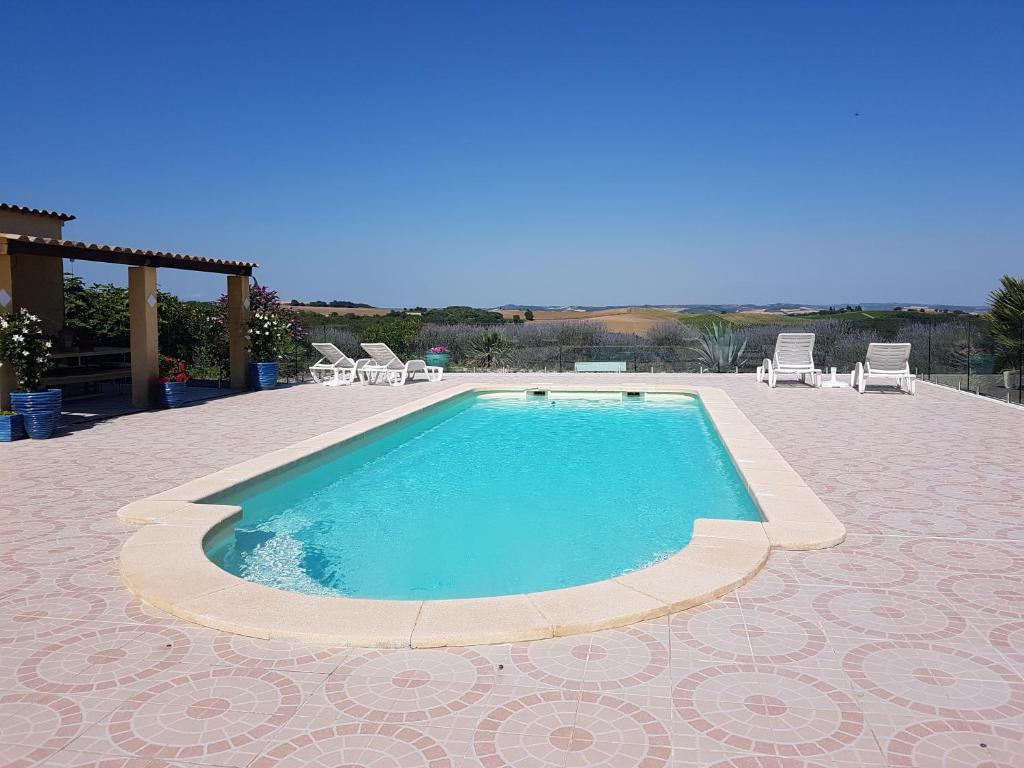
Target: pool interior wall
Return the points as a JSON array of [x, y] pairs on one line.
[[451, 502]]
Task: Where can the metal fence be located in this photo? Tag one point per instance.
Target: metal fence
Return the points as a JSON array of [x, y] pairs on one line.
[[967, 357], [959, 353]]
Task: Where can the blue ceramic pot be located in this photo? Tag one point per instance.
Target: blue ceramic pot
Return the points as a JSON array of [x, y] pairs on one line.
[[172, 393], [11, 428], [40, 411], [437, 358], [263, 375]]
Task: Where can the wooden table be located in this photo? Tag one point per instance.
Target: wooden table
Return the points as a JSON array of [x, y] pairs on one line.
[[67, 374]]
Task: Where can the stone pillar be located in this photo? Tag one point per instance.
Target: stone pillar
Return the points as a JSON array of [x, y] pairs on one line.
[[142, 311], [238, 328], [6, 307]]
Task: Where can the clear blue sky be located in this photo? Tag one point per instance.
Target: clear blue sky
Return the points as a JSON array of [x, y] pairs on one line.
[[534, 152]]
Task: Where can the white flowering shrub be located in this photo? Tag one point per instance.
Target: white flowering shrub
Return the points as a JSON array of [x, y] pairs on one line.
[[267, 334], [24, 347]]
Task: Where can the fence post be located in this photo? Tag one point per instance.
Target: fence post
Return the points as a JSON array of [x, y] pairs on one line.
[[559, 358], [931, 321], [1020, 362], [969, 342]]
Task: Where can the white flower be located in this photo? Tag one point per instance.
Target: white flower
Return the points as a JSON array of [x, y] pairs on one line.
[[49, 344], [24, 352], [18, 337]]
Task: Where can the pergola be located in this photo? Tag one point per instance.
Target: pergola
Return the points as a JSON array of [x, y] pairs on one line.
[[29, 263]]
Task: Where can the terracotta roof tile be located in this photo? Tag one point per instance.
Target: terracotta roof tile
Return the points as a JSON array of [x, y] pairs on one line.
[[36, 211], [183, 257]]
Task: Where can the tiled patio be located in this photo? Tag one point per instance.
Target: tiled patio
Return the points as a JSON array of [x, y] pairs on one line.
[[902, 647]]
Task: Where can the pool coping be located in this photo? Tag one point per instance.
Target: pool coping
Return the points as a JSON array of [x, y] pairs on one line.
[[165, 565]]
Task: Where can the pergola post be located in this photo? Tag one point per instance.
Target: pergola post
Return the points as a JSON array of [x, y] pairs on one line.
[[6, 307], [238, 322], [142, 312]]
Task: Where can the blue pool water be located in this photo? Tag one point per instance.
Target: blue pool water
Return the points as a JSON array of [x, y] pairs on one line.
[[488, 494]]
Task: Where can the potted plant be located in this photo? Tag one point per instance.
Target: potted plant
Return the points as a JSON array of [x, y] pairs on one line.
[[438, 356], [171, 382], [27, 351], [11, 426], [267, 332]]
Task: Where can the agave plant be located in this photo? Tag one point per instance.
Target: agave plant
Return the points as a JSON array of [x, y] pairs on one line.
[[720, 348], [490, 350]]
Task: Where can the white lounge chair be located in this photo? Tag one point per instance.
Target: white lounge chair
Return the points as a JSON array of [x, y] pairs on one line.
[[334, 368], [886, 361], [386, 367], [794, 355]]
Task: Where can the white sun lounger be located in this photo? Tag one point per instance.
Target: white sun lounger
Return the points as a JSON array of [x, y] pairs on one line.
[[334, 368], [886, 361], [794, 355], [386, 367]]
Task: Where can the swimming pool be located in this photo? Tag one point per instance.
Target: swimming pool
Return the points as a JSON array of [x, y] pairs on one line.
[[487, 494]]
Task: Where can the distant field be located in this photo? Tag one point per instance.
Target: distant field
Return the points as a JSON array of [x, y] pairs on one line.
[[875, 318], [639, 320], [742, 318], [360, 311], [619, 320]]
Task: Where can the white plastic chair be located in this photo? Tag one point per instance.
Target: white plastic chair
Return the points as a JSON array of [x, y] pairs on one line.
[[386, 366], [886, 361], [794, 355], [334, 368]]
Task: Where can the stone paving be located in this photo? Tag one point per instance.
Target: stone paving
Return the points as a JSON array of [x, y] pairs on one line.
[[904, 646]]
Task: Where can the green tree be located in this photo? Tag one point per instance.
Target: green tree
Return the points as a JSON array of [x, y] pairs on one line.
[[528, 314], [397, 331], [188, 329], [459, 314], [1005, 318], [97, 314]]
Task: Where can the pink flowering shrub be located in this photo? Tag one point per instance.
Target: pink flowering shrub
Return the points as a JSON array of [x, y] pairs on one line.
[[272, 325]]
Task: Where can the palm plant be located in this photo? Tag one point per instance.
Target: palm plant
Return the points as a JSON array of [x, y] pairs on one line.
[[490, 350], [720, 348], [1005, 318]]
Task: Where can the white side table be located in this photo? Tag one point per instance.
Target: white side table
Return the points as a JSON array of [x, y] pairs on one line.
[[833, 382]]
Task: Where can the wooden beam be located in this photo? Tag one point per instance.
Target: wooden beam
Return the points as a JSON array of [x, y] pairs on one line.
[[142, 312], [109, 255], [238, 329]]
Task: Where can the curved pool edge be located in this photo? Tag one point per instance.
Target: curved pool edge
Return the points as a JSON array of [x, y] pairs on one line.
[[165, 565]]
